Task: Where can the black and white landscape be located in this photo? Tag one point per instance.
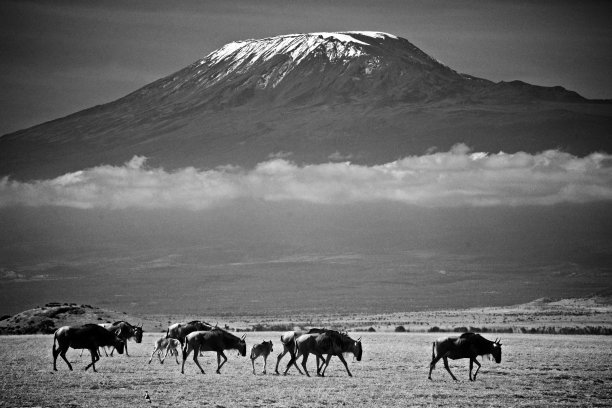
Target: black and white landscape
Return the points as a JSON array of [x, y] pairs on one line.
[[287, 165]]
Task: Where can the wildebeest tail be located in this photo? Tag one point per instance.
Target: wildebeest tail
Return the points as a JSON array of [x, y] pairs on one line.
[[54, 340]]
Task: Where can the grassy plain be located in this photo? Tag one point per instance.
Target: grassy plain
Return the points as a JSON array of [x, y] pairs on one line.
[[536, 370]]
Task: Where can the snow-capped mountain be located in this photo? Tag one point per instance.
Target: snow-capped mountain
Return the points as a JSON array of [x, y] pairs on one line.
[[365, 96]]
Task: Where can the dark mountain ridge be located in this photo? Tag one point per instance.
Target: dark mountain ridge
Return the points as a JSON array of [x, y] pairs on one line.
[[364, 96]]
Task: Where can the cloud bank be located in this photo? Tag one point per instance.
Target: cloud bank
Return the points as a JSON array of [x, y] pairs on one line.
[[444, 179]]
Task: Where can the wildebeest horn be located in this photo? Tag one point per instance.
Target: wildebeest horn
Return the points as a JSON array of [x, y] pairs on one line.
[[243, 337], [359, 339]]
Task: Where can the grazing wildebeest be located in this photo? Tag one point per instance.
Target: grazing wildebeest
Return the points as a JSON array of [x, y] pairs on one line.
[[329, 342], [468, 345], [171, 346], [126, 331], [262, 349], [288, 341], [87, 336], [180, 330], [217, 340]]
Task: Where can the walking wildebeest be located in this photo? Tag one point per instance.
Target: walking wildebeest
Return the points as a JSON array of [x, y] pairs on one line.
[[87, 336], [329, 342], [180, 330], [338, 344], [171, 346], [288, 341], [126, 331], [215, 340], [468, 345], [262, 349]]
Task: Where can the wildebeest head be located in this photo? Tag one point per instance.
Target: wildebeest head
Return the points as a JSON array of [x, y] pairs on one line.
[[357, 349], [496, 351], [242, 346], [137, 333], [119, 345]]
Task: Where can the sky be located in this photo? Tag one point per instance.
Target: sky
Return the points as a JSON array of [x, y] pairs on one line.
[[64, 56]]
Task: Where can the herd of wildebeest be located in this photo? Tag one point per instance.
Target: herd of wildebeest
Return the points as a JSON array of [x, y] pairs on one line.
[[197, 337]]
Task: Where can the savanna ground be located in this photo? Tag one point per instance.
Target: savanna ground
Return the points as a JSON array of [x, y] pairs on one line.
[[536, 370]]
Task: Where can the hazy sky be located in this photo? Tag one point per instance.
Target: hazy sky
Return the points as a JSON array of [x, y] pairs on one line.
[[63, 56]]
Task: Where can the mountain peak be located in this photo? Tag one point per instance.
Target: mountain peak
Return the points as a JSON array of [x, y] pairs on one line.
[[317, 96], [311, 68]]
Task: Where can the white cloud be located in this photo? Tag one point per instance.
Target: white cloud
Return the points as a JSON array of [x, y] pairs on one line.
[[443, 179]]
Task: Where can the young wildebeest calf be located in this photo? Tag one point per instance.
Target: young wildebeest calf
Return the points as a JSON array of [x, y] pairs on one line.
[[88, 336], [262, 349], [468, 345], [171, 346]]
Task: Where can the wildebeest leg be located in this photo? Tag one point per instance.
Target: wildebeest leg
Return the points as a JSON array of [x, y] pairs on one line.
[[304, 359], [294, 357], [196, 352], [161, 360], [265, 357], [153, 353], [220, 355], [61, 351], [94, 357], [448, 368], [478, 364], [324, 364], [253, 362], [293, 361], [186, 350], [432, 365], [345, 365], [279, 357]]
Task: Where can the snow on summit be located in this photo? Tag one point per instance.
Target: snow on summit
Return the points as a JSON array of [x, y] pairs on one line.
[[337, 46]]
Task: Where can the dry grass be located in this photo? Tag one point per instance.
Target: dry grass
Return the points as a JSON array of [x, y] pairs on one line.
[[537, 370]]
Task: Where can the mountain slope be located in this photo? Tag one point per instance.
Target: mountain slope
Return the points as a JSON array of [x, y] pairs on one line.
[[364, 96]]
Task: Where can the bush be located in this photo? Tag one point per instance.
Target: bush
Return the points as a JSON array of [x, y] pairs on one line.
[[400, 329], [434, 329]]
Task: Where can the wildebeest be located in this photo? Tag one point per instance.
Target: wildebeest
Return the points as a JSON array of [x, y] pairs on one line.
[[217, 340], [170, 345], [468, 345], [329, 342], [126, 331], [262, 349], [87, 336], [288, 341], [180, 330]]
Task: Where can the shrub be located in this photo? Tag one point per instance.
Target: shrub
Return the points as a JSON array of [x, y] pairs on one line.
[[434, 329], [400, 329]]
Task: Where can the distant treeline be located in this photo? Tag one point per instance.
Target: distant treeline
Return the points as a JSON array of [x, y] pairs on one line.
[[598, 330]]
